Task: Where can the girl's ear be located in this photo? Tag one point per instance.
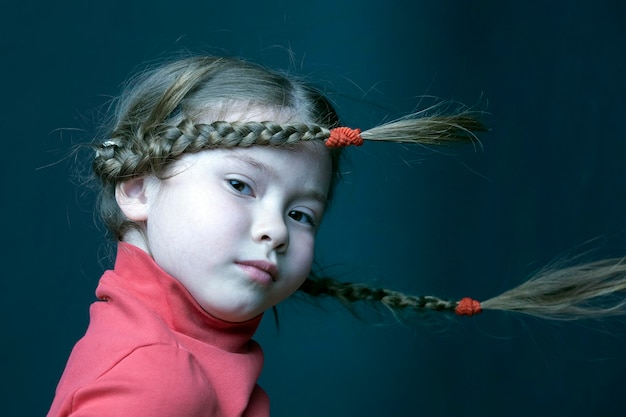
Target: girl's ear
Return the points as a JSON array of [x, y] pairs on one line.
[[132, 197]]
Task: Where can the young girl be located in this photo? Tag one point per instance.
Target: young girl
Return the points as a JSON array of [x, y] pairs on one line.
[[215, 176]]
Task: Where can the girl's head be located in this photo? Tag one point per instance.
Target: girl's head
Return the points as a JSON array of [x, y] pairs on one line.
[[168, 111], [212, 170]]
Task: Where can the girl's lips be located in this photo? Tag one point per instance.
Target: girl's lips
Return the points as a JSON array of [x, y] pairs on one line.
[[262, 271]]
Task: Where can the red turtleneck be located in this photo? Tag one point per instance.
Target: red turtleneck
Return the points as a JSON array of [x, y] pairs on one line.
[[150, 350]]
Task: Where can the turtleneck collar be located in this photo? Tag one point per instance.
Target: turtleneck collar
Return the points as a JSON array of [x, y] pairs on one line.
[[137, 273]]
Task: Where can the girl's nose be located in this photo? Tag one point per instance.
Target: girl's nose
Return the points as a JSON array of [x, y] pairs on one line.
[[270, 228]]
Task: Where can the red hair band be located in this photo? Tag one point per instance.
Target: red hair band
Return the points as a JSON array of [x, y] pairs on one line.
[[344, 136], [468, 307]]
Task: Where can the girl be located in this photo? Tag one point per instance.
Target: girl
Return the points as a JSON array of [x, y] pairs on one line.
[[215, 176]]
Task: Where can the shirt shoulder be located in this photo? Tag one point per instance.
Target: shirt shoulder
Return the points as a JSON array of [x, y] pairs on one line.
[[151, 381]]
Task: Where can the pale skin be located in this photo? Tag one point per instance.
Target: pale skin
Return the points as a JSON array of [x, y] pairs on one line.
[[236, 227]]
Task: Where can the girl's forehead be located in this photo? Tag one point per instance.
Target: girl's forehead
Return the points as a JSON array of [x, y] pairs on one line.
[[310, 153], [303, 151]]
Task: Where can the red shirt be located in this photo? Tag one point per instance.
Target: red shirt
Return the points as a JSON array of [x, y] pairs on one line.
[[151, 351]]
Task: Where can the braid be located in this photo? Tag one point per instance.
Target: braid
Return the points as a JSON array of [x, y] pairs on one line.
[[349, 293], [224, 134], [114, 161], [581, 291]]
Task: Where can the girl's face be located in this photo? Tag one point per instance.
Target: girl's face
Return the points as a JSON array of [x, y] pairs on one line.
[[236, 226]]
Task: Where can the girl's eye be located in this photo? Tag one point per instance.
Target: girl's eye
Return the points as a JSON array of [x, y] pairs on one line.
[[241, 187], [301, 217]]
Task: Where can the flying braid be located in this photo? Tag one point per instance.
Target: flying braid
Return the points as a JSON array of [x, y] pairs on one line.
[[349, 293]]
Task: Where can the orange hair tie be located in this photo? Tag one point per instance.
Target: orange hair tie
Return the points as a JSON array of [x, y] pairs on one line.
[[468, 307], [344, 136]]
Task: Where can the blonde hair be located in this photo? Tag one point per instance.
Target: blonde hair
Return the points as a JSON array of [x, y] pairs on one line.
[[180, 107]]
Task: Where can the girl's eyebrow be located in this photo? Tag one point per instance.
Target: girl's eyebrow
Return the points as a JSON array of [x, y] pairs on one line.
[[259, 166], [271, 172]]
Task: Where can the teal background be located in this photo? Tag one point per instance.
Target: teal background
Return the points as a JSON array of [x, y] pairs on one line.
[[548, 182]]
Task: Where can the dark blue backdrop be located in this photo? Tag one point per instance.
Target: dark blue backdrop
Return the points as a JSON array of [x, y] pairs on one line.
[[453, 223]]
